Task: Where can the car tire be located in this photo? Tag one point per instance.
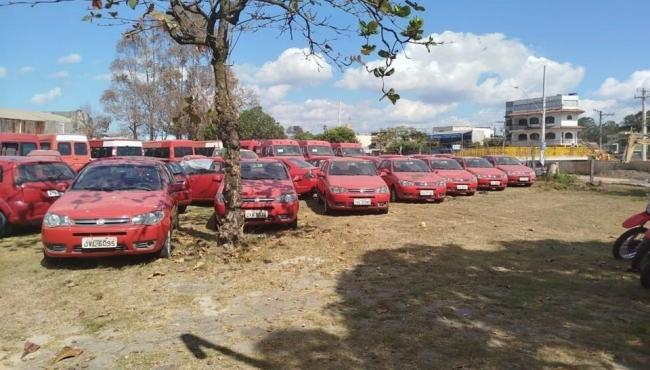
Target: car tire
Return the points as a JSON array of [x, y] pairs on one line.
[[326, 207], [49, 261], [471, 193], [630, 250], [166, 250], [5, 227], [384, 211], [645, 277], [639, 260], [393, 195], [294, 224], [182, 209]]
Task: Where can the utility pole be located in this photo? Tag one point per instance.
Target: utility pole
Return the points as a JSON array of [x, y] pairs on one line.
[[543, 138], [644, 126], [600, 125]]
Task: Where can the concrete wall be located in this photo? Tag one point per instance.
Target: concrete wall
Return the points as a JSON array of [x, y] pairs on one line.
[[582, 167]]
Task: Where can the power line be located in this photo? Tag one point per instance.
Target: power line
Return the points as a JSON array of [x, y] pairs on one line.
[[600, 125]]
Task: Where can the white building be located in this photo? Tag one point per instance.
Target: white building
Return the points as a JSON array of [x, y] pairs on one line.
[[26, 122], [365, 140], [448, 136], [523, 120]]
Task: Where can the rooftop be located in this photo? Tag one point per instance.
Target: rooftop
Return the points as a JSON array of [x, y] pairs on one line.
[[31, 116]]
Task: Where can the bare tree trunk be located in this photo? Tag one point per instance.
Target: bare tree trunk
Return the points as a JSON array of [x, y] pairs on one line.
[[231, 231]]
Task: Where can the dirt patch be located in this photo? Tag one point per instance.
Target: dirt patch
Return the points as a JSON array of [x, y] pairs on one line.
[[515, 279]]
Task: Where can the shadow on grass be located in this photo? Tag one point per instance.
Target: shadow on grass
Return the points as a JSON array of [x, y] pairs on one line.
[[623, 191], [86, 263], [526, 304]]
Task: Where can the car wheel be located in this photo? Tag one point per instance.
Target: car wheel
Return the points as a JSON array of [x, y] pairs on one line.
[[393, 195], [383, 211], [47, 260], [166, 250], [182, 209], [5, 227], [626, 245], [645, 277], [294, 225]]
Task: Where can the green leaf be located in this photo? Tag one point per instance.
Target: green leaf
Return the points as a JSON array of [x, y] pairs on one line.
[[367, 49], [133, 3], [401, 11], [389, 72], [384, 53]]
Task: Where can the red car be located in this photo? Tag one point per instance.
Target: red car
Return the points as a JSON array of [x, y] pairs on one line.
[[351, 184], [205, 176], [518, 173], [302, 173], [459, 181], [281, 148], [184, 196], [268, 195], [488, 177], [114, 207], [28, 187], [411, 179], [316, 149]]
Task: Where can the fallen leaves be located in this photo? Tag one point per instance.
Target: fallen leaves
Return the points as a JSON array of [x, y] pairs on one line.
[[198, 265], [28, 348], [67, 352]]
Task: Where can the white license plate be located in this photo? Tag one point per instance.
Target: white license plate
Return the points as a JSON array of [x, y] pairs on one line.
[[462, 187], [256, 213], [362, 202], [99, 242], [426, 193], [524, 179], [53, 193], [495, 183]]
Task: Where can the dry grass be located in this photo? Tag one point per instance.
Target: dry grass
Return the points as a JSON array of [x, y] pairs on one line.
[[514, 279]]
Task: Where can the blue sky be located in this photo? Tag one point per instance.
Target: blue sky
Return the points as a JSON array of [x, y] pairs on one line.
[[597, 48]]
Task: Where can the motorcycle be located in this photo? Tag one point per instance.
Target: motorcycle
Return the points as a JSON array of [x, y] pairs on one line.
[[628, 244]]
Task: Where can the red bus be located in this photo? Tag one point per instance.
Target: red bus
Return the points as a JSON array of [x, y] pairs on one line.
[[115, 147], [207, 148], [280, 148], [348, 150], [73, 148], [316, 149], [17, 144], [170, 149]]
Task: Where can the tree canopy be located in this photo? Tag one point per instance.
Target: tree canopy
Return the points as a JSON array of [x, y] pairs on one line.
[[340, 134], [254, 123]]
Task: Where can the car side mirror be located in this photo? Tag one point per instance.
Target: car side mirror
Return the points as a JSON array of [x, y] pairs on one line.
[[182, 184], [176, 187]]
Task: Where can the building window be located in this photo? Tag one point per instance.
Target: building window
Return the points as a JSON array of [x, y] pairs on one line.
[[550, 136], [550, 119], [534, 121], [522, 122], [509, 137], [569, 117], [522, 137], [568, 136], [509, 122], [534, 137]]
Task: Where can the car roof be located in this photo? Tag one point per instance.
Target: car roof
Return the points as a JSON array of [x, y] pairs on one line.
[[348, 159], [125, 160], [20, 160], [265, 160]]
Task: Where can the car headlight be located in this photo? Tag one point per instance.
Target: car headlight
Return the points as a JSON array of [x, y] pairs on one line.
[[54, 220], [406, 183], [382, 189], [287, 198], [482, 176], [337, 190], [149, 218]]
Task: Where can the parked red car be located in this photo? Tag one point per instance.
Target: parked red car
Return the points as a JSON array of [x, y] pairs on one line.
[[268, 195], [205, 176], [28, 187], [351, 184], [184, 196], [348, 150], [488, 177], [518, 173], [411, 179], [459, 181], [316, 149], [302, 173], [114, 207]]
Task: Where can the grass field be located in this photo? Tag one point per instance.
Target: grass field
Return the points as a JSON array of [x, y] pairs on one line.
[[517, 279]]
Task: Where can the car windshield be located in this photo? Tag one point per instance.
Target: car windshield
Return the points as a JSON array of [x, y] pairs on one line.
[[508, 161], [126, 151], [320, 150], [300, 163], [115, 177], [477, 163], [175, 168], [352, 152], [263, 171], [353, 168], [413, 165], [199, 166], [281, 150], [37, 172], [445, 164], [247, 154]]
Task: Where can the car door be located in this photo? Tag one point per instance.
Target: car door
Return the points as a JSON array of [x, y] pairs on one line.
[[205, 184], [386, 173], [37, 194], [321, 184]]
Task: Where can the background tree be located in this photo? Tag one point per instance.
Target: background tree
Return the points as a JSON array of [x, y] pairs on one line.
[[255, 124], [591, 130], [305, 135], [93, 126], [402, 139], [340, 134], [632, 122], [292, 131]]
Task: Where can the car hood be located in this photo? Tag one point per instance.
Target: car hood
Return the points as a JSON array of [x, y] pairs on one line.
[[417, 176], [455, 174], [266, 188], [514, 168], [103, 204], [356, 181]]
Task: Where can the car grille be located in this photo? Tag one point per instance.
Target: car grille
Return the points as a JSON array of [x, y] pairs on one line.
[[424, 183], [362, 190], [257, 200], [102, 221]]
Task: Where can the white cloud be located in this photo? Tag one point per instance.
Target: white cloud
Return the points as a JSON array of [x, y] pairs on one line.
[[59, 74], [69, 59], [294, 67], [617, 97], [46, 97], [474, 68], [26, 70], [364, 116], [613, 88], [3, 72]]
